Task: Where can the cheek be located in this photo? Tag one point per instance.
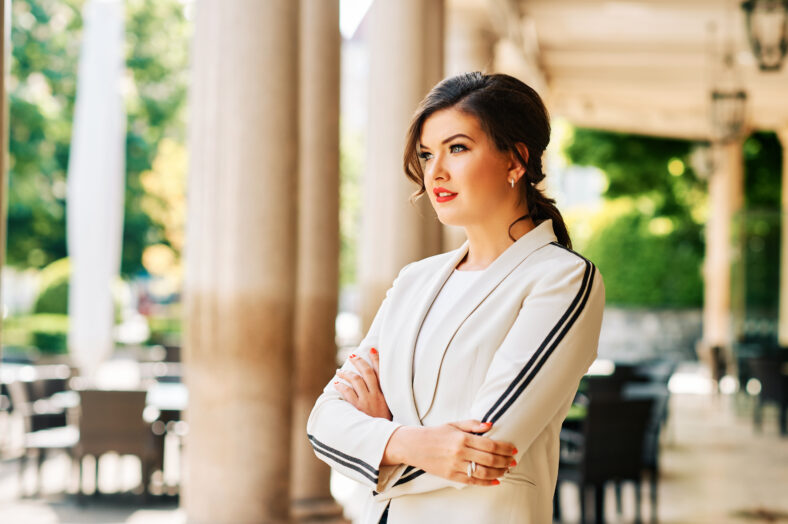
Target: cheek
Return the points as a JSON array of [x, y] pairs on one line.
[[486, 184]]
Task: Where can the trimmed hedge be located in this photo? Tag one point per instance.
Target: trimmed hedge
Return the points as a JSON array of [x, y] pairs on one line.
[[648, 266], [53, 288], [46, 331]]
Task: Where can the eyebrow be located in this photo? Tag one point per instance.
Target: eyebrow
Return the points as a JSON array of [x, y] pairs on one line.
[[449, 139]]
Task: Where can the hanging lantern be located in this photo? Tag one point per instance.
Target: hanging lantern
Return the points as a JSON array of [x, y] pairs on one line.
[[767, 29], [728, 101], [728, 113], [701, 159]]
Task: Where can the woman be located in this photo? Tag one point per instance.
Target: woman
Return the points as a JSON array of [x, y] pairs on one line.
[[452, 406]]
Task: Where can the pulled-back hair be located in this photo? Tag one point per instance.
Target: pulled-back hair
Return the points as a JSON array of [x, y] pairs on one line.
[[510, 113]]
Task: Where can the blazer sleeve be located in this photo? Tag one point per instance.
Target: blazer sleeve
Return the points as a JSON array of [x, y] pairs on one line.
[[345, 438], [537, 368]]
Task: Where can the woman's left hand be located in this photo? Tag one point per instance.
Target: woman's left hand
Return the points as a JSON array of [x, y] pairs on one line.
[[364, 390]]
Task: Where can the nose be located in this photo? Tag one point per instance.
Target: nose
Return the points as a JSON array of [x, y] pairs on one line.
[[436, 170]]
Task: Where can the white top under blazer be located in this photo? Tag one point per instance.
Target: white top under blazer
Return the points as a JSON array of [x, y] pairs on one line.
[[511, 351], [447, 299]]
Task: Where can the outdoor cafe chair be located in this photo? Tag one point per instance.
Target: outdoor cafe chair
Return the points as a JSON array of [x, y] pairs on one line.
[[44, 424], [647, 379], [32, 398], [112, 421], [772, 373], [609, 448], [651, 440]]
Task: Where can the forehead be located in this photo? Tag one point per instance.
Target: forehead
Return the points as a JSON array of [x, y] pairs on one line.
[[447, 122]]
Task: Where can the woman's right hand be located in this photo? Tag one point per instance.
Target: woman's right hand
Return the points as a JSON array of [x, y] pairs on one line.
[[446, 451]]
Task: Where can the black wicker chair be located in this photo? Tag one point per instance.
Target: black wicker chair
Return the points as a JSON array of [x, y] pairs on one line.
[[609, 448]]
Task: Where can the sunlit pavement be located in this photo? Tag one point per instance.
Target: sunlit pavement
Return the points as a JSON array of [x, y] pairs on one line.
[[715, 469]]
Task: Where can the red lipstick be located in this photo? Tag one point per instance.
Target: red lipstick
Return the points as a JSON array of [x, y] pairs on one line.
[[445, 197]]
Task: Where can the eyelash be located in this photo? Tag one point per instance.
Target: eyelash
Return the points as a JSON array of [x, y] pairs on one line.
[[423, 155]]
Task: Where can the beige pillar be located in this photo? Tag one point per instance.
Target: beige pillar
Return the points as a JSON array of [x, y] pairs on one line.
[[782, 326], [726, 197], [240, 261], [317, 286], [434, 37], [470, 46], [470, 41], [405, 62]]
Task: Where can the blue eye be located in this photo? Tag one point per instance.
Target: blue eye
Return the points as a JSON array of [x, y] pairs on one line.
[[425, 156], [456, 148]]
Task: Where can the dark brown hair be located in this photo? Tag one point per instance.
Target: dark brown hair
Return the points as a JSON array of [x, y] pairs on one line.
[[510, 113]]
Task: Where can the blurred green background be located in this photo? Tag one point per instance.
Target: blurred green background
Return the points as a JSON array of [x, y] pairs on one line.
[[647, 238]]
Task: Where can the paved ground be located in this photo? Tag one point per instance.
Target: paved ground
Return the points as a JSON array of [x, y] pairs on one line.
[[715, 470]]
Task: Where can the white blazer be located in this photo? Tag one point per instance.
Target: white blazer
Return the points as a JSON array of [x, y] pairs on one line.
[[512, 351]]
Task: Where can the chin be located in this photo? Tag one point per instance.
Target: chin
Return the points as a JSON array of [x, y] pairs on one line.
[[448, 219]]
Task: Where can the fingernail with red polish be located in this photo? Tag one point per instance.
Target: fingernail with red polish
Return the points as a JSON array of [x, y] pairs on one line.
[[513, 463], [496, 482], [514, 451], [336, 382], [373, 351], [352, 355], [488, 424]]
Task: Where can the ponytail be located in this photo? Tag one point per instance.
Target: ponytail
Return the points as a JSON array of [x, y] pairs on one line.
[[540, 207]]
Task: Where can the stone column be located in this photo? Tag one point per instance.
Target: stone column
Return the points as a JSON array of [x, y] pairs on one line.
[[240, 261], [317, 287], [782, 326], [470, 41], [434, 38], [726, 197], [470, 46], [405, 62]]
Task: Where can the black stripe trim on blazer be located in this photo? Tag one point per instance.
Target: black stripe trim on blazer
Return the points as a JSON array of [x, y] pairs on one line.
[[338, 456], [347, 464], [581, 297], [541, 348], [538, 366], [410, 477], [563, 326], [406, 476]]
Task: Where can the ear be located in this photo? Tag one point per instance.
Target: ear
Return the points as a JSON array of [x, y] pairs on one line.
[[516, 167]]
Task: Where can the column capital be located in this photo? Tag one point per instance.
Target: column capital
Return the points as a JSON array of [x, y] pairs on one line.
[[472, 21]]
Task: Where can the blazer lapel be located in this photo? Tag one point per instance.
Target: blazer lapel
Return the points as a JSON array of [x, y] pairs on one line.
[[403, 406], [428, 368]]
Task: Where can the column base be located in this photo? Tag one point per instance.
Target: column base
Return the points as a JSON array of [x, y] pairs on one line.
[[306, 511]]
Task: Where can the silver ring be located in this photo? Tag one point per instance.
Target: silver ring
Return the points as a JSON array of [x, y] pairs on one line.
[[471, 469]]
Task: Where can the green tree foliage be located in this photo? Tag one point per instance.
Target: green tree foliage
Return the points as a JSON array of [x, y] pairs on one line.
[[637, 165], [46, 39], [157, 36], [648, 242], [762, 163], [758, 230]]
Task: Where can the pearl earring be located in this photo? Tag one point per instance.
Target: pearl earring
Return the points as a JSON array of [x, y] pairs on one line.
[[511, 181]]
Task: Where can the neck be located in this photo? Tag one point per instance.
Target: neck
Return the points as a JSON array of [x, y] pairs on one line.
[[486, 242]]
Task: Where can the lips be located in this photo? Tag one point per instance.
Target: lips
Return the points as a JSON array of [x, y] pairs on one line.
[[443, 195]]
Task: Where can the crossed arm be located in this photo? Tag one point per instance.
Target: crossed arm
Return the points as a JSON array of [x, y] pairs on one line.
[[355, 434], [533, 375], [444, 450]]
